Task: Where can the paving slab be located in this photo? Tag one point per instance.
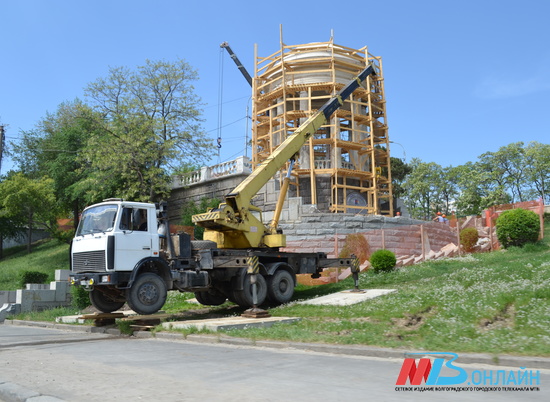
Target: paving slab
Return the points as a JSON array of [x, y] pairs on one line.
[[348, 297], [216, 324]]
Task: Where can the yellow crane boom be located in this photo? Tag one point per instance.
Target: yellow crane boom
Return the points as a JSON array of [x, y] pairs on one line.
[[236, 223]]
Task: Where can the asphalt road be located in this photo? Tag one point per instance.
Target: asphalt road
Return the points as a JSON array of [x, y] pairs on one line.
[[79, 366]]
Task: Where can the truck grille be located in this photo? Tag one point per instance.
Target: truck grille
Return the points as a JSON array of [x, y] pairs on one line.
[[89, 261]]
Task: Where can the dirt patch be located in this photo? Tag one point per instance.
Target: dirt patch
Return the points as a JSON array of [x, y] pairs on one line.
[[412, 321], [504, 319]]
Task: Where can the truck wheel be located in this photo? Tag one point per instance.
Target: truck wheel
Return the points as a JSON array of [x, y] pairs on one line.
[[103, 302], [280, 287], [210, 299], [244, 297], [147, 295]]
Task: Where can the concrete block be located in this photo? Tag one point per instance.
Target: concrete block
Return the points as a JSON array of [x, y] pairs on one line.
[[322, 232], [43, 295], [302, 232], [430, 255], [354, 225], [37, 286], [294, 208], [309, 209], [7, 296], [311, 219], [353, 218], [62, 289], [62, 274], [24, 299], [337, 225]]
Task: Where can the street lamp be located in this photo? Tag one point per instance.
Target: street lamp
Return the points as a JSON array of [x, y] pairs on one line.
[[404, 153]]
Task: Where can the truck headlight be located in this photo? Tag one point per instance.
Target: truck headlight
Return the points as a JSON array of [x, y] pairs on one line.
[[106, 279]]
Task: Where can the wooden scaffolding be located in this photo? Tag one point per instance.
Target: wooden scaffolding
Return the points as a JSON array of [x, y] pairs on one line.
[[345, 167]]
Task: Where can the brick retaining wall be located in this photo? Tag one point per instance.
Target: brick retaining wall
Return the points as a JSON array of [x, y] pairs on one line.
[[327, 233]]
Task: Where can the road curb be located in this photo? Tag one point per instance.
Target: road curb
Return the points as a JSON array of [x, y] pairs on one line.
[[529, 362]]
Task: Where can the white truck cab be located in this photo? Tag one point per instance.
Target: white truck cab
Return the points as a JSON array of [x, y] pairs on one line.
[[113, 241]]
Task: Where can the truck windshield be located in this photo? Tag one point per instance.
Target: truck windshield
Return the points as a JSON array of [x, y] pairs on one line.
[[97, 219]]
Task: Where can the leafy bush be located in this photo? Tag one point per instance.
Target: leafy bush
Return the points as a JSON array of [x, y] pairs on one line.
[[81, 298], [33, 277], [357, 245], [468, 239], [382, 260], [517, 227]]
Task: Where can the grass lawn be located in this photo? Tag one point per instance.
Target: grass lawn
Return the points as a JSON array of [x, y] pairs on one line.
[[495, 302]]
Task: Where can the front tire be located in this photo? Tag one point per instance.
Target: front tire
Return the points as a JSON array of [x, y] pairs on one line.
[[147, 294], [103, 302]]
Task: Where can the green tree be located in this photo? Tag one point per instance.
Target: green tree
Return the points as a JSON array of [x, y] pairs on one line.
[[537, 160], [477, 189], [152, 127], [53, 149], [10, 227], [505, 171], [399, 172], [423, 189], [448, 191], [31, 201]]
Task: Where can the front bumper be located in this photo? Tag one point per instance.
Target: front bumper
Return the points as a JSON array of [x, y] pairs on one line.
[[91, 279]]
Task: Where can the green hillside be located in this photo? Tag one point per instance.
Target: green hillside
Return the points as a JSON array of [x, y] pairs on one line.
[[47, 256]]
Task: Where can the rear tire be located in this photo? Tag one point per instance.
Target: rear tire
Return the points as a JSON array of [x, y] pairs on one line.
[[104, 302], [244, 297], [280, 287], [210, 299], [147, 294]]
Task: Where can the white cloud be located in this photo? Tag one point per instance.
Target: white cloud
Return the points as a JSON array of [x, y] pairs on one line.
[[513, 84]]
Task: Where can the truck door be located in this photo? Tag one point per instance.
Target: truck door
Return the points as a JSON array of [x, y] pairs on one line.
[[134, 241]]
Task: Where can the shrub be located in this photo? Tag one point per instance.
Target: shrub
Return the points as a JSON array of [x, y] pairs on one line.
[[33, 277], [382, 260], [468, 239], [517, 227], [81, 298], [357, 245]]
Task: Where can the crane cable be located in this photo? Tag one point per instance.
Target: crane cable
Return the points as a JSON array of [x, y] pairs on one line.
[[220, 102]]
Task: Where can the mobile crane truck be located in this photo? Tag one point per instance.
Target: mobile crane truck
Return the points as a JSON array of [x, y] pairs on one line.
[[123, 251]]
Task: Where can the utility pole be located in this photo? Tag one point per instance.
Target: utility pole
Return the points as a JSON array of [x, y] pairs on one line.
[[2, 141]]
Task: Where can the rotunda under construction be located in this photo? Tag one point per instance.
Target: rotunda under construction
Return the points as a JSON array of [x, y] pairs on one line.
[[345, 166]]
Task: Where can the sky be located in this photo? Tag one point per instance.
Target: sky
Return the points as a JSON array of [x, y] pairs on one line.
[[461, 77]]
